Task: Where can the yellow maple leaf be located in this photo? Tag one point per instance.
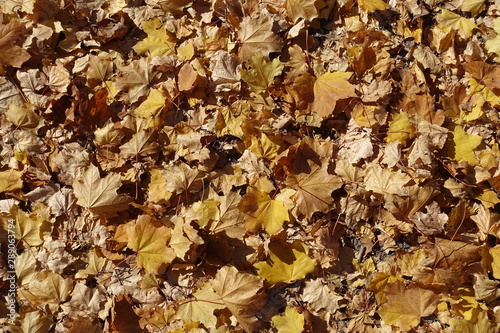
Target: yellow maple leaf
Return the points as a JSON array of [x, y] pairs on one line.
[[157, 187], [24, 116], [229, 122], [151, 109], [206, 211], [328, 89], [493, 44], [262, 211], [291, 322], [480, 324], [406, 306], [461, 146], [262, 73], [473, 6], [200, 307], [259, 143], [157, 43], [185, 52], [10, 180], [400, 128], [48, 290], [28, 228], [287, 263], [495, 261], [150, 243], [370, 6], [456, 22]]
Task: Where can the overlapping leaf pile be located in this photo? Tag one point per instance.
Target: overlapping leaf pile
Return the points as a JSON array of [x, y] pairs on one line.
[[190, 165]]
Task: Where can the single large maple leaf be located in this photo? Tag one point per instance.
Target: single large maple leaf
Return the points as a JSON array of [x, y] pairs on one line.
[[99, 194], [257, 36], [242, 294], [150, 243], [406, 306], [328, 89]]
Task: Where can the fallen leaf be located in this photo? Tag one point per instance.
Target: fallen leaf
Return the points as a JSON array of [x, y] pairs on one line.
[[405, 306], [287, 263], [461, 146], [149, 241], [99, 194], [328, 89], [314, 190], [242, 294], [291, 322], [157, 43], [262, 73], [257, 37], [12, 54], [201, 307], [263, 212]]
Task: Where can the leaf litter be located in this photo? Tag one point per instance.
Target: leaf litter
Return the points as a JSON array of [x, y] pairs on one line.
[[219, 165]]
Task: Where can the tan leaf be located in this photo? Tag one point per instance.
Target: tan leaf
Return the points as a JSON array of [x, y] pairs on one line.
[[257, 37], [136, 79], [242, 294], [385, 181], [314, 190], [10, 180], [141, 144], [297, 9], [12, 54], [328, 89], [99, 194], [320, 296], [49, 290], [187, 77], [200, 308]]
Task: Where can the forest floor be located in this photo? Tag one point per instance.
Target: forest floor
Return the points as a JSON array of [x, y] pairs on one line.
[[246, 166]]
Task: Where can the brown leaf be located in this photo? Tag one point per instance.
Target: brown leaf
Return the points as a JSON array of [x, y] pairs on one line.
[[12, 55], [257, 37], [242, 294]]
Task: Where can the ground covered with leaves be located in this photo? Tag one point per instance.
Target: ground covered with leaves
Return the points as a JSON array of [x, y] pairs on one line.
[[279, 166]]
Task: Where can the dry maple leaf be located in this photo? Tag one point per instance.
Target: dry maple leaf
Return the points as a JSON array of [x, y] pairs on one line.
[[201, 307], [287, 263], [257, 37], [321, 296], [314, 190], [12, 55], [149, 241], [291, 322], [328, 89], [48, 290], [141, 144], [136, 79], [406, 306], [99, 194], [262, 211], [242, 294]]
